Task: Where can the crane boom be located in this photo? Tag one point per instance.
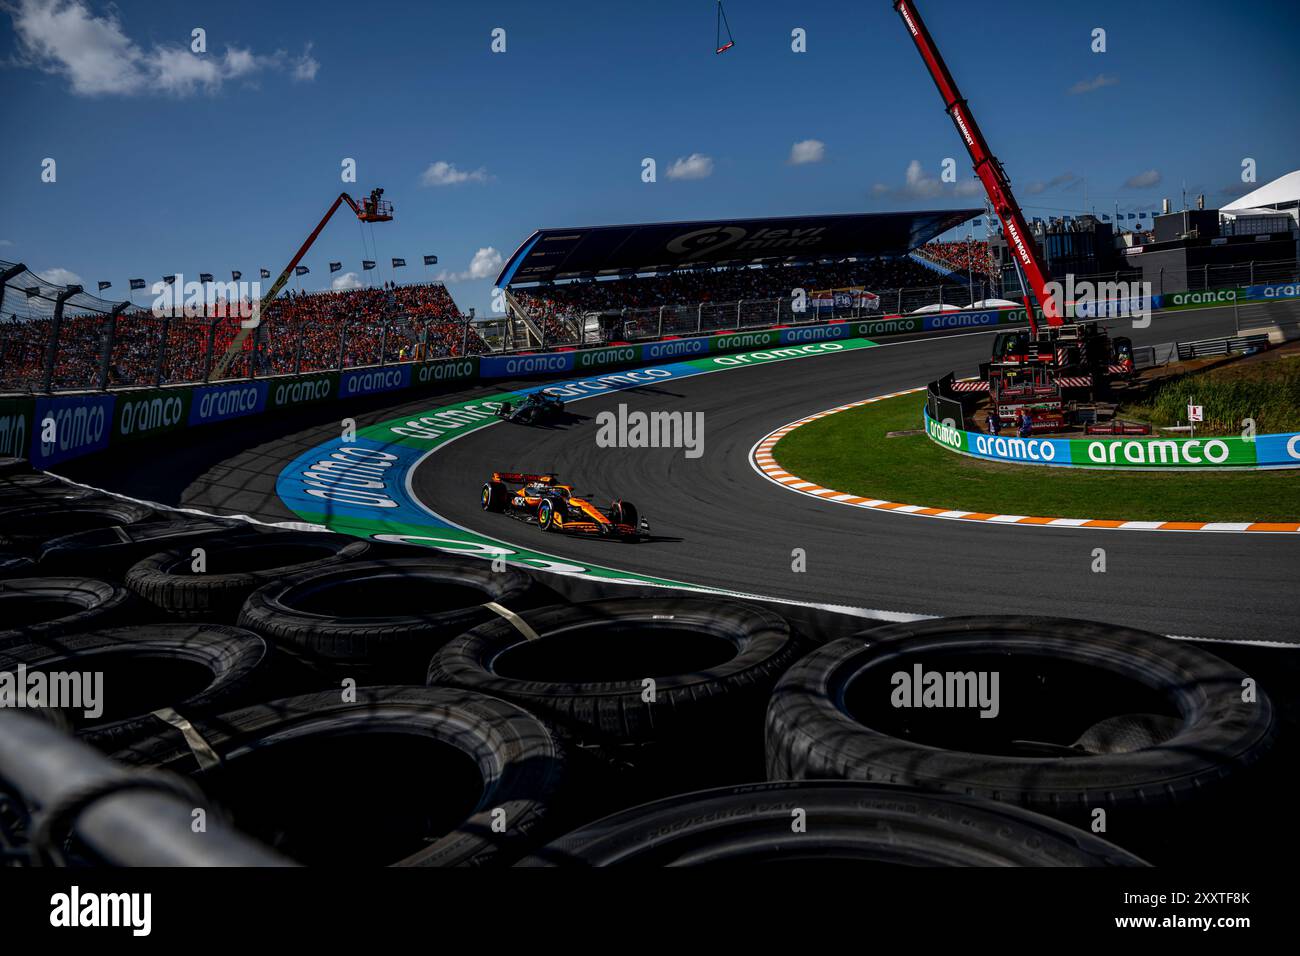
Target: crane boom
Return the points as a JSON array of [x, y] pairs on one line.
[[988, 169], [371, 209]]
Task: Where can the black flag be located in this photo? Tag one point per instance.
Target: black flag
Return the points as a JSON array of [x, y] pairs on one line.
[[430, 260], [137, 283], [266, 273], [205, 276], [170, 280], [398, 262], [235, 275], [104, 285], [33, 291], [335, 266], [300, 270], [367, 264]]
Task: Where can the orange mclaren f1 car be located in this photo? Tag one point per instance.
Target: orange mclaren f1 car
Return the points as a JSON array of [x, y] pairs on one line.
[[541, 499]]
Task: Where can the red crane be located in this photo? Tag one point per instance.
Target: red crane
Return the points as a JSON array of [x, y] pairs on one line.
[[374, 208], [988, 169]]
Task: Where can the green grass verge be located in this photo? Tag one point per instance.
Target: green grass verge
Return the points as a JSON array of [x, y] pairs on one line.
[[850, 453], [1268, 392]]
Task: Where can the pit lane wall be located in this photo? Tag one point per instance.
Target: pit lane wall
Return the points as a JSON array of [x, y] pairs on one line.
[[88, 422], [1132, 454]]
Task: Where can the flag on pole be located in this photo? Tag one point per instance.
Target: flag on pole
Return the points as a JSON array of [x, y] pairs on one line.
[[300, 270], [137, 284], [170, 280], [205, 276], [398, 262], [266, 273], [235, 275], [32, 291], [105, 285], [335, 266], [430, 260], [367, 264]]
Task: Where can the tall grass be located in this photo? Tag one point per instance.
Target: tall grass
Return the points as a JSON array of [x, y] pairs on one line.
[[1268, 393]]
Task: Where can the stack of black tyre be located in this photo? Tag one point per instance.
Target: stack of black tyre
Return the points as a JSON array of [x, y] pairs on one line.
[[359, 702]]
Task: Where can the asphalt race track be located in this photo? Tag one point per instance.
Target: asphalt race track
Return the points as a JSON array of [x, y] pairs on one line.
[[717, 523]]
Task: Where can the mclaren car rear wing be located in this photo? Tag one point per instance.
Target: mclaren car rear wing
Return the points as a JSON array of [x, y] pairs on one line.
[[523, 476]]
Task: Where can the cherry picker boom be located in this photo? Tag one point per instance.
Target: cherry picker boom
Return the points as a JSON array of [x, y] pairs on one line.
[[988, 169], [374, 208]]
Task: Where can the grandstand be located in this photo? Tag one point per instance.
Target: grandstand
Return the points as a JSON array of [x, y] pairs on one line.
[[576, 285], [57, 338]]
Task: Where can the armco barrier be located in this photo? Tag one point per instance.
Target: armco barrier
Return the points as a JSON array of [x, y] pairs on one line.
[[1266, 451], [94, 421]]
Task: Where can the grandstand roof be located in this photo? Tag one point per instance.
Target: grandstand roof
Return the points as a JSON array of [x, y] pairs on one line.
[[590, 251], [1283, 191]]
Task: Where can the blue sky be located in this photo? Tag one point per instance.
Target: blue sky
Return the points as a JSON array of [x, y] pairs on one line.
[[168, 161]]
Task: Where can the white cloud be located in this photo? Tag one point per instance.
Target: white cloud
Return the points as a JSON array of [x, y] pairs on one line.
[[917, 185], [485, 265], [694, 166], [1096, 83], [348, 280], [1144, 180], [807, 151], [1064, 182], [6, 242], [306, 66], [443, 173], [60, 277], [94, 53]]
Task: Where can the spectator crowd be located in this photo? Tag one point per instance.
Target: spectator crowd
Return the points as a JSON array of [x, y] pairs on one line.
[[962, 256], [298, 332]]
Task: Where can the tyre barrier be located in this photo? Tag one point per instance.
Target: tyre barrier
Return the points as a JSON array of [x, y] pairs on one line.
[[15, 565], [38, 486], [14, 466], [690, 676], [1086, 716], [382, 619], [37, 609], [428, 771], [26, 527], [844, 822], [108, 553], [235, 565], [189, 669]]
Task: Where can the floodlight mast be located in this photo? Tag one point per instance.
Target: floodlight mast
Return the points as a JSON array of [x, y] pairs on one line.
[[988, 169]]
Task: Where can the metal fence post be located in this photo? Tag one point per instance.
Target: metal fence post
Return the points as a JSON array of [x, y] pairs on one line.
[[738, 305], [699, 318], [464, 340], [110, 333], [660, 333], [1252, 271], [162, 351], [343, 339], [212, 341], [52, 346]]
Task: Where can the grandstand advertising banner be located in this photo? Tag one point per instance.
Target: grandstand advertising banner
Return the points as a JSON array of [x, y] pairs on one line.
[[150, 412], [1266, 451], [302, 390], [15, 427], [81, 424]]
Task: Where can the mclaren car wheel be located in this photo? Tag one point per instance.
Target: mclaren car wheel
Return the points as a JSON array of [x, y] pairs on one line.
[[494, 496], [624, 512], [546, 517]]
